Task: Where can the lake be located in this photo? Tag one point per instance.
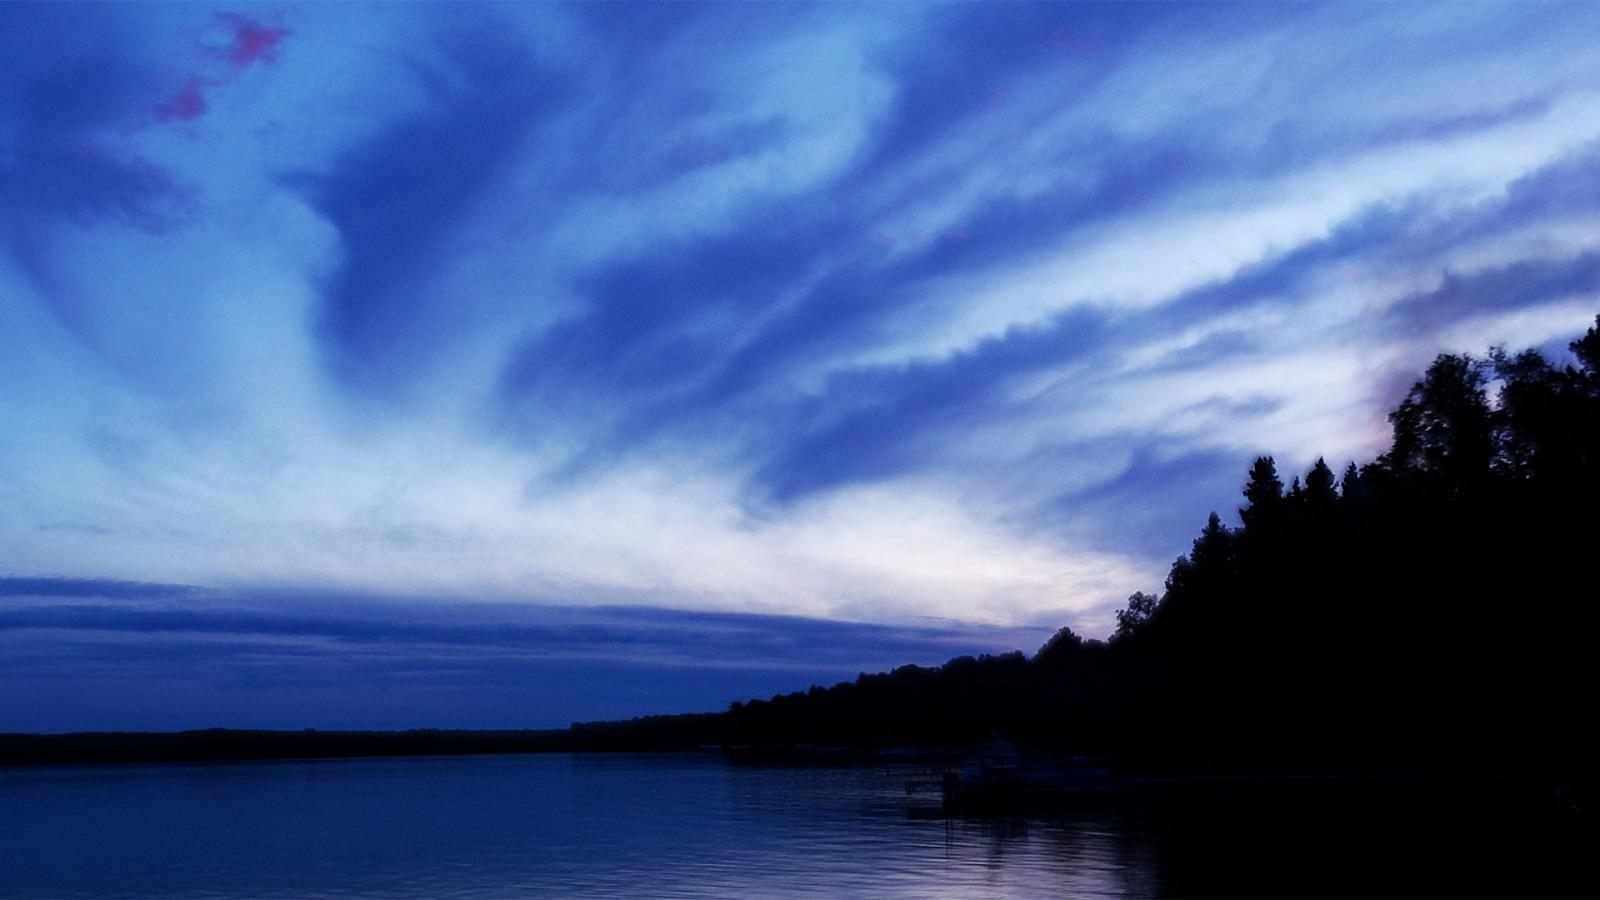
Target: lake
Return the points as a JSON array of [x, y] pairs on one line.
[[671, 826]]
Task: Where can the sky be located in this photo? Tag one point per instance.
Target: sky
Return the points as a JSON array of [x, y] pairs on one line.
[[499, 365]]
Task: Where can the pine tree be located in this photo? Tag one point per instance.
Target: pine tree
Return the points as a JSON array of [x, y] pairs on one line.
[[1263, 493], [1320, 484]]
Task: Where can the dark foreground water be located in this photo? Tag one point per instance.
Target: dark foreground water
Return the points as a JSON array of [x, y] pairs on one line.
[[608, 826]]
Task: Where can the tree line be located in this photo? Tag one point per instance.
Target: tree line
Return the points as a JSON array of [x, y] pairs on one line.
[[1428, 610]]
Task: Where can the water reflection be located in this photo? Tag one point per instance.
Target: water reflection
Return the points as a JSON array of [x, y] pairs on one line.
[[539, 825], [662, 826], [1015, 855]]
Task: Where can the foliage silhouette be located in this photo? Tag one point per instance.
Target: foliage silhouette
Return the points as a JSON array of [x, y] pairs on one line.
[[1426, 611]]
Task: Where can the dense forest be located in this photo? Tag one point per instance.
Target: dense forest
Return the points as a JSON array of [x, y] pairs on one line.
[[1432, 610]]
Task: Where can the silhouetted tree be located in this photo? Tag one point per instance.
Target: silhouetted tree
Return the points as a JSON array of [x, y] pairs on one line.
[[1587, 349], [1528, 428], [1584, 407], [1351, 487], [1320, 484], [1442, 428], [1359, 621], [1132, 618], [1263, 493], [1064, 642], [1214, 547]]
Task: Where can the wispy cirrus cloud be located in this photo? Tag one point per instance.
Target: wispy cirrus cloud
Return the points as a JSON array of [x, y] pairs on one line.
[[859, 312]]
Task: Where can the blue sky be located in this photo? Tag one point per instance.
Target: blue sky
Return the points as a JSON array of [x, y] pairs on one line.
[[936, 326]]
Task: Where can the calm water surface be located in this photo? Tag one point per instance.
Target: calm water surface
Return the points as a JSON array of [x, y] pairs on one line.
[[668, 826], [527, 825]]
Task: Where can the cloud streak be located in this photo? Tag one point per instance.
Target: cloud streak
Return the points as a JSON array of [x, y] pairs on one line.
[[91, 636], [872, 314]]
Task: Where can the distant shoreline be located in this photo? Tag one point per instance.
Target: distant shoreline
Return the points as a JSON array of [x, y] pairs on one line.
[[21, 749], [230, 745], [254, 745]]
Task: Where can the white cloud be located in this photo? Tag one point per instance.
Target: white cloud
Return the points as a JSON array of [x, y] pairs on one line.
[[190, 430]]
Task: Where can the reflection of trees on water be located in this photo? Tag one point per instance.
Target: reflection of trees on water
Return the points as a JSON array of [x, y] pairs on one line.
[[1000, 837], [1088, 855]]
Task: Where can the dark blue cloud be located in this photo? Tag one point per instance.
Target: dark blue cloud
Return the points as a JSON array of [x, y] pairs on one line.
[[1196, 481], [66, 111], [867, 424], [692, 345], [967, 62], [638, 634], [877, 422], [1520, 284], [397, 198], [1445, 126], [1567, 186], [172, 683], [690, 337], [431, 663], [68, 162], [89, 587], [871, 423], [658, 325]]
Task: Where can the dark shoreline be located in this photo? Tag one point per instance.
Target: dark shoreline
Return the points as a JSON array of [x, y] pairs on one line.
[[253, 745], [20, 750]]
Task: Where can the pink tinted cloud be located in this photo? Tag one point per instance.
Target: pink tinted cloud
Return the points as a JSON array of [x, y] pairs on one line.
[[252, 41], [186, 104], [243, 43]]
